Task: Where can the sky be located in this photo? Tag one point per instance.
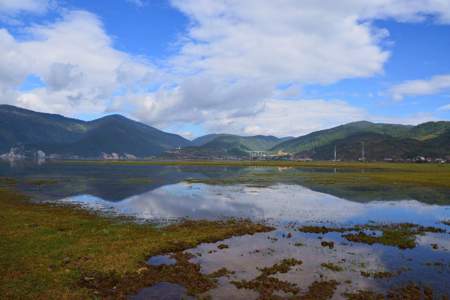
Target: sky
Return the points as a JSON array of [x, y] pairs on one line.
[[193, 67]]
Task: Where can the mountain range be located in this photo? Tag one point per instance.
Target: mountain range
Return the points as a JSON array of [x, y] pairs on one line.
[[65, 136], [227, 145], [68, 137], [381, 141]]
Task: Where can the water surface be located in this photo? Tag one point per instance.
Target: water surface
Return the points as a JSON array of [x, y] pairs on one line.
[[169, 193]]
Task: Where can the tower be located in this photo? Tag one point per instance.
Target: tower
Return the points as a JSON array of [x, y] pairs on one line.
[[335, 155], [363, 152]]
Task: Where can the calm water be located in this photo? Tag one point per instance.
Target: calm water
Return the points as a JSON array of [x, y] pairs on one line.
[[166, 193]]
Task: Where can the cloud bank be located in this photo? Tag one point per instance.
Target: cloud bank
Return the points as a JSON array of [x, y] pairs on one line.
[[431, 86], [12, 7], [227, 72]]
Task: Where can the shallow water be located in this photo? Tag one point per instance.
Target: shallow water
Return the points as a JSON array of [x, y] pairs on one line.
[[166, 194]]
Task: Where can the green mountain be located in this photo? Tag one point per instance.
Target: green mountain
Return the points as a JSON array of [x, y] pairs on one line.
[[202, 140], [431, 139], [381, 146], [324, 137], [57, 134], [429, 130], [313, 141], [227, 145], [257, 142]]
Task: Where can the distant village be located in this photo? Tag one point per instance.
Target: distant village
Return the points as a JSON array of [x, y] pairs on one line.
[[20, 153]]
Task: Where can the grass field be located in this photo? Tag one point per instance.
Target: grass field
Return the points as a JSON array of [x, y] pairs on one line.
[[57, 252], [256, 163]]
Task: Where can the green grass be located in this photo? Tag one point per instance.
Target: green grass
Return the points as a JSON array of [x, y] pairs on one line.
[[402, 235], [269, 163], [46, 250], [424, 182], [361, 182], [333, 267], [382, 173]]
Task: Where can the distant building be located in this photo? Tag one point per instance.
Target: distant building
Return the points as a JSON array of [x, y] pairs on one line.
[[15, 153], [107, 156], [128, 156], [420, 159]]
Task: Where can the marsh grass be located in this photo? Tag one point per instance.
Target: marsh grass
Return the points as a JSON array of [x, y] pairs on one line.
[[267, 285], [331, 266], [401, 235], [46, 250]]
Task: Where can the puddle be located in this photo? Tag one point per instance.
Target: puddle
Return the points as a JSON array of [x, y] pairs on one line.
[[353, 266], [159, 260]]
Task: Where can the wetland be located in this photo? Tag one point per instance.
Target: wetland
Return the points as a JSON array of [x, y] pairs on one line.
[[124, 230]]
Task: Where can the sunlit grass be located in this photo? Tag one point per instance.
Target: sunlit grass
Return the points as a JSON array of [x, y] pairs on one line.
[[46, 249]]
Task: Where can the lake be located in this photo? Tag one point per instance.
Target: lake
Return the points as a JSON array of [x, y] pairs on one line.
[[288, 199]]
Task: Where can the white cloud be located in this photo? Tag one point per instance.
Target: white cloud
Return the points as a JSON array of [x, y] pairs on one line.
[[138, 3], [289, 118], [75, 59], [444, 108], [12, 7], [410, 119], [232, 58], [435, 85], [278, 41]]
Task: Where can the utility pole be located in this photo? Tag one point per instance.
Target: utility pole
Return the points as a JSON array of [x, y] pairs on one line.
[[363, 153], [335, 156]]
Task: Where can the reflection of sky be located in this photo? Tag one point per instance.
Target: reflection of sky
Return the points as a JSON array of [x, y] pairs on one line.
[[279, 202]]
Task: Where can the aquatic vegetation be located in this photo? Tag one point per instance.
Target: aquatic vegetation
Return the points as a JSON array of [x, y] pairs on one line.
[[328, 244], [183, 272], [222, 246], [54, 252], [333, 267], [411, 291], [319, 290], [282, 267], [401, 235], [320, 229], [266, 285], [379, 275], [221, 273]]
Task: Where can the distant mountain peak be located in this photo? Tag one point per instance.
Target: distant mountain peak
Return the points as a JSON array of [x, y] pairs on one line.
[[69, 137]]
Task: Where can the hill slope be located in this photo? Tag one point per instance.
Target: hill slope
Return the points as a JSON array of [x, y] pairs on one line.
[[323, 137], [378, 147], [227, 145], [66, 136], [256, 142]]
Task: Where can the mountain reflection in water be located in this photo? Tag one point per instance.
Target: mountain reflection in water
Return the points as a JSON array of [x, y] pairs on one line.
[[279, 203]]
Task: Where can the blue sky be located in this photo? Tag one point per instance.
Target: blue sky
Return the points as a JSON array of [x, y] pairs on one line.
[[244, 67]]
